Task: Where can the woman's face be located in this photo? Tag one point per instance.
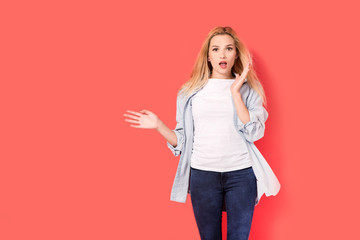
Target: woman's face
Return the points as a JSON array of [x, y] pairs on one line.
[[222, 49]]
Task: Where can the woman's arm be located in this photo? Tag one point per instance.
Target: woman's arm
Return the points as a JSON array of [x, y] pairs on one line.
[[147, 119], [167, 133], [241, 110], [177, 147], [254, 128]]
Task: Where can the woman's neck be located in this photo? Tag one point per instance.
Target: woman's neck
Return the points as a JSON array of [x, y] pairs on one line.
[[217, 76]]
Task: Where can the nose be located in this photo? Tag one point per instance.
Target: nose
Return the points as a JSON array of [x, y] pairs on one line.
[[222, 54]]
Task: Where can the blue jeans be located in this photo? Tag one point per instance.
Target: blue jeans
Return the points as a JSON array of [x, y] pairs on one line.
[[209, 190]]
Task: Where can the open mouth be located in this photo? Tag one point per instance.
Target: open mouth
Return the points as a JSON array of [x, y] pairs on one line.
[[223, 64]]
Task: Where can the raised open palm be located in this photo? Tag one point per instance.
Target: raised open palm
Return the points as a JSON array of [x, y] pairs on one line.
[[144, 119]]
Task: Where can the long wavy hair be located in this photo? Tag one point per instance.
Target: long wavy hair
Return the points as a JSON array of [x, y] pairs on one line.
[[202, 68]]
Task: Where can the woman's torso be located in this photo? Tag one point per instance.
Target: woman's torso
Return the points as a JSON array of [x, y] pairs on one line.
[[217, 144]]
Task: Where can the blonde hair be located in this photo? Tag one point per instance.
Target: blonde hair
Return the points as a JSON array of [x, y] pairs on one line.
[[202, 68]]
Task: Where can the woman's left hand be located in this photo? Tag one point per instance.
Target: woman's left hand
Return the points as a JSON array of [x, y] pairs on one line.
[[239, 80]]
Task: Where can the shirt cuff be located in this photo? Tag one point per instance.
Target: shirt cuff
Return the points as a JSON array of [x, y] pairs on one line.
[[176, 150], [243, 126]]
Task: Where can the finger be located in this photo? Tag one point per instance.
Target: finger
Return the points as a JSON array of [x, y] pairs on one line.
[[145, 111], [131, 116], [136, 113], [250, 63], [249, 59], [132, 121]]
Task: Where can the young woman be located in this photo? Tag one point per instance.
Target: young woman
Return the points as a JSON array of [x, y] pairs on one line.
[[219, 116]]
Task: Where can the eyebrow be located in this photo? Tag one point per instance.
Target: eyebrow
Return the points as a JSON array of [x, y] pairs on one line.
[[226, 45]]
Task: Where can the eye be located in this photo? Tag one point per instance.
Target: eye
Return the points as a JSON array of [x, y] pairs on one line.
[[214, 49], [230, 48]]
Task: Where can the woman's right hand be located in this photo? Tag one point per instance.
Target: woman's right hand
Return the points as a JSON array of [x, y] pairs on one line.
[[144, 118]]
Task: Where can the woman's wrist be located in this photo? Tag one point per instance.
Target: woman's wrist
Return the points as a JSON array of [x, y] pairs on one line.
[[159, 125]]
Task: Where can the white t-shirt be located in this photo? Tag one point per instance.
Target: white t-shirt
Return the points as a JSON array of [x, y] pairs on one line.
[[217, 145]]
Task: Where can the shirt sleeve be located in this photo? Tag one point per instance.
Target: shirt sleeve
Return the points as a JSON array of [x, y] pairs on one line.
[[179, 128], [255, 128]]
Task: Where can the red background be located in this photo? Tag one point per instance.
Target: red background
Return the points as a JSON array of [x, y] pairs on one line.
[[72, 168]]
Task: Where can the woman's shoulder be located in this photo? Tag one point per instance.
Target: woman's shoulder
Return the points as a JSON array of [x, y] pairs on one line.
[[181, 98]]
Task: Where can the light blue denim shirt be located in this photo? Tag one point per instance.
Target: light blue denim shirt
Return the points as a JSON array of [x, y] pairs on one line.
[[252, 131]]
